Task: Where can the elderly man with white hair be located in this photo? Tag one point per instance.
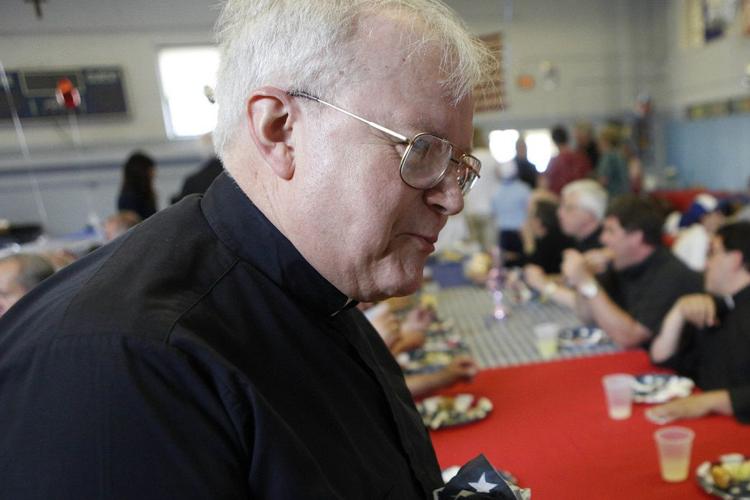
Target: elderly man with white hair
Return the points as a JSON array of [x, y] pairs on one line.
[[581, 213], [214, 351]]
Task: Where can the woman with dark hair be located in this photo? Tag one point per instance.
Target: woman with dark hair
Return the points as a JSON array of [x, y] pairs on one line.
[[548, 240], [137, 191]]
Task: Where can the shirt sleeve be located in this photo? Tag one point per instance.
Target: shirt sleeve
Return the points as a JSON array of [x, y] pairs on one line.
[[684, 360], [740, 399], [102, 416]]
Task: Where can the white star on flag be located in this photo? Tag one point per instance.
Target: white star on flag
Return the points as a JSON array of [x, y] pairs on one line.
[[482, 486]]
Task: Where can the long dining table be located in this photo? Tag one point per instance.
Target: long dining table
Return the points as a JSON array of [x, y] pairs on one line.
[[550, 427]]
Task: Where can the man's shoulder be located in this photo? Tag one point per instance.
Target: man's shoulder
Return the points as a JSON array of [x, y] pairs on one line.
[[141, 283], [668, 262]]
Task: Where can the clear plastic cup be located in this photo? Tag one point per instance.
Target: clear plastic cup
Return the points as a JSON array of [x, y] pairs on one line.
[[618, 389], [674, 445], [545, 336]]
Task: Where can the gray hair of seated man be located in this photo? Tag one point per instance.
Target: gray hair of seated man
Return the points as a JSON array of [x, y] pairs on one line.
[[33, 269], [590, 196], [294, 44]]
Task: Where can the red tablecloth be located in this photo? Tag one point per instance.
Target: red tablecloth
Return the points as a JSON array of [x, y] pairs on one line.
[[550, 428]]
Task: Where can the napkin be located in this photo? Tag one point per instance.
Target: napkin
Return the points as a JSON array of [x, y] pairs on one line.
[[478, 479]]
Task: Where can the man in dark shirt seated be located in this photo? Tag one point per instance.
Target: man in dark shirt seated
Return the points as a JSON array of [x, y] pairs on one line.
[[215, 351], [581, 212], [707, 337], [642, 281]]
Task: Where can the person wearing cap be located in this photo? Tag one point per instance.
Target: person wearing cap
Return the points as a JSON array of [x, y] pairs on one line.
[[706, 337], [699, 223]]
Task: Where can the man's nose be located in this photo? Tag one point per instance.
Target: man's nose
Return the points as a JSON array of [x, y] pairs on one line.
[[446, 198]]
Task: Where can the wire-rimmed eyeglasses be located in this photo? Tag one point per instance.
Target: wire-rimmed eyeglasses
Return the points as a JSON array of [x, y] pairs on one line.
[[427, 158]]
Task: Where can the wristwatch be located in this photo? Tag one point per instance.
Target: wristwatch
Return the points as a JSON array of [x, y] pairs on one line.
[[589, 289]]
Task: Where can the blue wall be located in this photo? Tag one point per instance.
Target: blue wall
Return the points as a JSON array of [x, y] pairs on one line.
[[713, 153]]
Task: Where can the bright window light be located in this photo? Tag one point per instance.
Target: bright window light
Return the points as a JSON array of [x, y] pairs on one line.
[[185, 73], [503, 144], [539, 148]]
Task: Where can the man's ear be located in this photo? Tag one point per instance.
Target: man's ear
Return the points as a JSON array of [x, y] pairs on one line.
[[737, 259], [638, 235], [271, 116]]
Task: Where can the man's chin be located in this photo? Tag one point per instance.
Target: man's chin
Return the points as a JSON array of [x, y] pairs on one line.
[[397, 286]]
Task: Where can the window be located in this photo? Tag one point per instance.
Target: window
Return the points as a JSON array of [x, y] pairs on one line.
[[185, 72], [503, 144], [539, 148]]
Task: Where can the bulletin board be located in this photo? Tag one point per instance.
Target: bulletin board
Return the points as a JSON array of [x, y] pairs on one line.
[[101, 89]]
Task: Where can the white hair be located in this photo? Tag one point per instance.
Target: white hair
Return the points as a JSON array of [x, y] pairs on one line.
[[591, 196], [306, 45]]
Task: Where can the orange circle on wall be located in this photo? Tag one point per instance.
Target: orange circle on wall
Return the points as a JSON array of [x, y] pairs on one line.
[[526, 82]]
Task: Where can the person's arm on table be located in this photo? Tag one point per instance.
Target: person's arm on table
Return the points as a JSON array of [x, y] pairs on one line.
[[413, 330], [549, 288], [698, 309], [593, 303], [460, 369], [695, 406]]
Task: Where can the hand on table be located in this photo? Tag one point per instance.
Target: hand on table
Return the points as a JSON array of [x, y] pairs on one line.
[[418, 319], [461, 369], [535, 277], [695, 406], [698, 309]]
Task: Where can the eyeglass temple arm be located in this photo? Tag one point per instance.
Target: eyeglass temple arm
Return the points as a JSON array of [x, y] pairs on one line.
[[395, 135]]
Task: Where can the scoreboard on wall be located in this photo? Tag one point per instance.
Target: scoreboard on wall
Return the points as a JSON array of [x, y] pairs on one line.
[[33, 92]]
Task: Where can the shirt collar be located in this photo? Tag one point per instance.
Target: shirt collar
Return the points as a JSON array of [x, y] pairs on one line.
[[242, 227]]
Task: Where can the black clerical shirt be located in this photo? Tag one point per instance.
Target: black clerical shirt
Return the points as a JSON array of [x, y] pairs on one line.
[[647, 291], [200, 356], [719, 357]]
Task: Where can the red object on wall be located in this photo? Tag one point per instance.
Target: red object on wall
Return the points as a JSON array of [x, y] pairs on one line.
[[66, 94]]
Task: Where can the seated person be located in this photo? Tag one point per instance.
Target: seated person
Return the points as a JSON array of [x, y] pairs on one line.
[[411, 334], [642, 281], [581, 212], [544, 242], [19, 273], [117, 224], [698, 224], [706, 336]]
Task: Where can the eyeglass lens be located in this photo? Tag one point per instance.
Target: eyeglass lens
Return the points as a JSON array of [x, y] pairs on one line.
[[427, 160]]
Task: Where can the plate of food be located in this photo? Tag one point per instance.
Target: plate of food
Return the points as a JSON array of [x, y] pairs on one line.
[[438, 412], [422, 361], [660, 387], [580, 336], [727, 478]]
